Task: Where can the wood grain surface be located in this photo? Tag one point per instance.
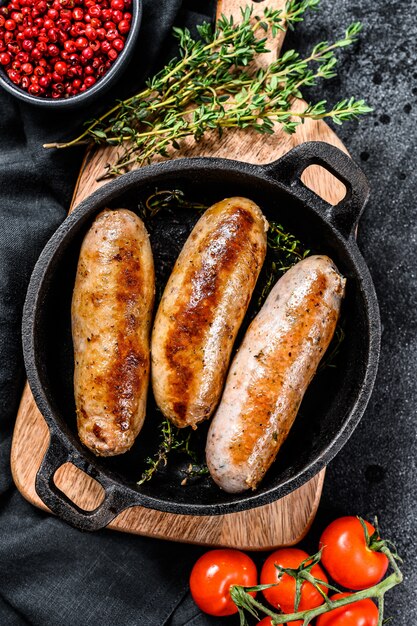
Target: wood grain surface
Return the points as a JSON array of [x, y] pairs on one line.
[[283, 522]]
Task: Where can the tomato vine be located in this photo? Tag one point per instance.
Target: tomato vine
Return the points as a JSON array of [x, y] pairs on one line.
[[248, 604]]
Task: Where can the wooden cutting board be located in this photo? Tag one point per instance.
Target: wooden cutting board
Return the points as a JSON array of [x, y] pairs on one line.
[[283, 522]]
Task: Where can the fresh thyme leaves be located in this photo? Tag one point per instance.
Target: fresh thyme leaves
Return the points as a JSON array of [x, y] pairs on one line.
[[285, 250], [214, 85], [285, 246], [161, 457], [172, 439]]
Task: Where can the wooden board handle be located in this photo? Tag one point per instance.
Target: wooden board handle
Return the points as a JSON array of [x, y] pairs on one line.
[[233, 8]]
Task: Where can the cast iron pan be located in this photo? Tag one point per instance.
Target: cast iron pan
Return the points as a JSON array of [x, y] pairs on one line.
[[334, 402]]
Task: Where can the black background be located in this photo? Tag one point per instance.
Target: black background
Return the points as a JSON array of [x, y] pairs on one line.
[[53, 575]]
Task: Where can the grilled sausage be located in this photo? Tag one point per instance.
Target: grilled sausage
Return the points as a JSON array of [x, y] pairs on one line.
[[202, 308], [271, 371], [111, 319]]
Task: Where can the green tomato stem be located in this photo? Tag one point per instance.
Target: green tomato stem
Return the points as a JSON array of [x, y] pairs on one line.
[[380, 610]]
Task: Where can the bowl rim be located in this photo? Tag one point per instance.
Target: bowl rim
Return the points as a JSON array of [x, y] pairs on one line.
[[78, 454], [102, 85]]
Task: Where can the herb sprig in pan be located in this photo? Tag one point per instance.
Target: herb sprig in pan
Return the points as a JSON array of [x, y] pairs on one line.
[[213, 85], [172, 439]]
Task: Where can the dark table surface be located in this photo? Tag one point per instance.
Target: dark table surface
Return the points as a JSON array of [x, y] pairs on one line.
[[375, 473]]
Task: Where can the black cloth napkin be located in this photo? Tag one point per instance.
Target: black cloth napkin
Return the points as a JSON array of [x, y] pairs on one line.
[[50, 573]]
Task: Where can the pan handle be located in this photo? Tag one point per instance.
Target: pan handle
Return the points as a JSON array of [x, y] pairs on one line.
[[289, 168], [58, 502]]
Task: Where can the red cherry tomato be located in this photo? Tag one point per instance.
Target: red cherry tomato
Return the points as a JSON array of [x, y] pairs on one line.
[[283, 594], [267, 621], [361, 613], [346, 556], [213, 575]]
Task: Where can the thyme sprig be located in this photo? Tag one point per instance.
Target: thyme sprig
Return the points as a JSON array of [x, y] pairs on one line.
[[214, 85], [285, 250], [171, 439], [247, 603]]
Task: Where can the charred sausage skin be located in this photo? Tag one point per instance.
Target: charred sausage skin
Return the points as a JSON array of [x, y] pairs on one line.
[[271, 371], [111, 319], [202, 308]]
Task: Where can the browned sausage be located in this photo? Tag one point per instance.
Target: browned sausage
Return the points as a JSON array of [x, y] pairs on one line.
[[271, 371], [111, 317], [202, 308]]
